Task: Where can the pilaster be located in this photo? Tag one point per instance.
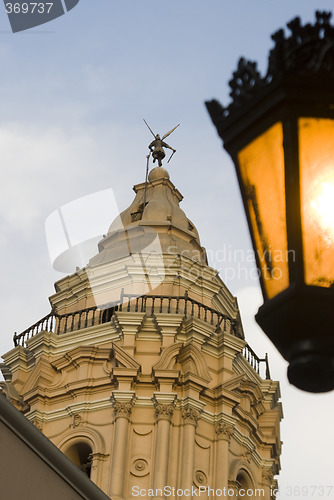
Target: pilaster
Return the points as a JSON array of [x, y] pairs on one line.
[[122, 403], [164, 408]]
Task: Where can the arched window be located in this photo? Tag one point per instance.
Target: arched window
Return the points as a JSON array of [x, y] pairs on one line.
[[245, 486], [81, 455]]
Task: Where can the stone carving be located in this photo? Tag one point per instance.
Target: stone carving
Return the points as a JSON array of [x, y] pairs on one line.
[[76, 420], [98, 457], [190, 415], [267, 475], [164, 411], [234, 485], [139, 467], [224, 430], [200, 478], [247, 455], [38, 424], [122, 409]]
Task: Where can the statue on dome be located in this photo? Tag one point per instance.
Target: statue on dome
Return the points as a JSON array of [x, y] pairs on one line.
[[157, 146]]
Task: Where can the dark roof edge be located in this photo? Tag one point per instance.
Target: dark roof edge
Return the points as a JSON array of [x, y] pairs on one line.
[[48, 452]]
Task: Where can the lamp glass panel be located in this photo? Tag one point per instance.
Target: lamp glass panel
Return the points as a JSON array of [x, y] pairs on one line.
[[316, 160], [261, 166]]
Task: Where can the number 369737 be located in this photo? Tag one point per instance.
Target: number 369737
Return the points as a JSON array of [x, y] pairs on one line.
[[28, 7]]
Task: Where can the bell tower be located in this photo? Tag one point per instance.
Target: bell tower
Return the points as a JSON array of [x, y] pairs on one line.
[[141, 373]]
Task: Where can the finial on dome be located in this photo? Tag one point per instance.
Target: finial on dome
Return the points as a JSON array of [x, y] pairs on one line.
[[157, 146]]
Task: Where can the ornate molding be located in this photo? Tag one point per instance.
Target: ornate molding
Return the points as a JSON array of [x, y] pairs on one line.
[[76, 420], [224, 430], [38, 424], [140, 466], [267, 476], [123, 409], [164, 411], [200, 478], [247, 456], [190, 415], [122, 402], [234, 485]]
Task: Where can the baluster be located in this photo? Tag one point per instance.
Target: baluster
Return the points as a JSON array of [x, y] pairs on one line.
[[137, 302], [161, 300], [72, 322], [79, 322], [199, 311], [145, 300], [168, 308], [65, 327], [86, 319], [128, 308], [192, 309], [177, 305], [152, 308], [121, 300], [205, 313]]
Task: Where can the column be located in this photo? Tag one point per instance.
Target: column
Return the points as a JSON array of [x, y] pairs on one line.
[[224, 433], [164, 409], [122, 403], [190, 417]]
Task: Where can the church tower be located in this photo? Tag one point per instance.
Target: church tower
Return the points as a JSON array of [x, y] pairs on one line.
[[141, 373]]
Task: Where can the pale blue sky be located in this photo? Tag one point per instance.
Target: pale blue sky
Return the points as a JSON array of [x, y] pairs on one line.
[[73, 96]]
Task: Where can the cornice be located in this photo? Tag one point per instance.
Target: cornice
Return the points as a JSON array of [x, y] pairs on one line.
[[80, 353], [70, 409]]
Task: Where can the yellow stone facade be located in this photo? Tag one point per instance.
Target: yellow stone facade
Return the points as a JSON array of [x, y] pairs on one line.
[[141, 373]]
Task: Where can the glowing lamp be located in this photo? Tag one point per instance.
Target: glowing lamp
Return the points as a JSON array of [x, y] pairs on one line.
[[279, 131]]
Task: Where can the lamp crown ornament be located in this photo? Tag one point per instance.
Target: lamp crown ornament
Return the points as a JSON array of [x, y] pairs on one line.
[[308, 51]]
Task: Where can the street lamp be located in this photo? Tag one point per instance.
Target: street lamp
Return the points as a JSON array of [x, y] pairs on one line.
[[279, 131]]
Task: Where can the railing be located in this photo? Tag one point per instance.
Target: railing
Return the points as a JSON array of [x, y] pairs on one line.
[[185, 306], [255, 361], [62, 323], [148, 304]]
